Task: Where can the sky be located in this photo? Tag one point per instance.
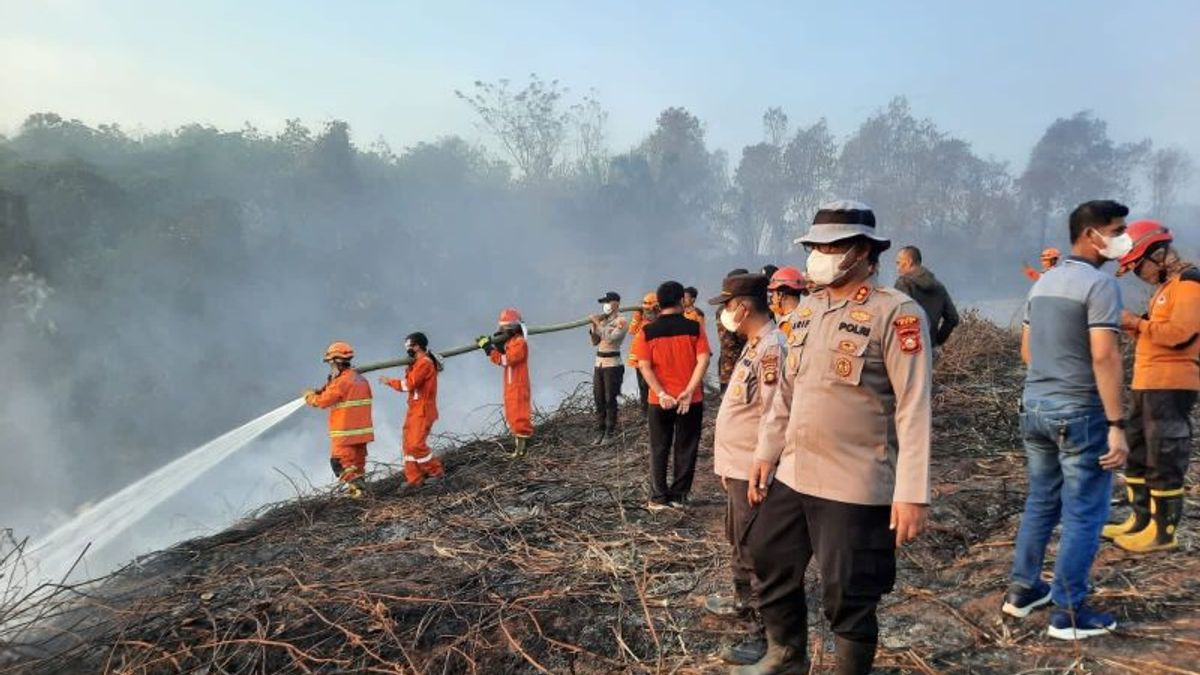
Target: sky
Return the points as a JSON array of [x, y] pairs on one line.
[[994, 74]]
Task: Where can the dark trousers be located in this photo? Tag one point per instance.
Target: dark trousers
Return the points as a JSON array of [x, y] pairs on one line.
[[855, 554], [737, 519], [643, 391], [1160, 437], [672, 434], [606, 387]]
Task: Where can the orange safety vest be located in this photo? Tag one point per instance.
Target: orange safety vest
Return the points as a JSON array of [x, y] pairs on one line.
[[348, 398]]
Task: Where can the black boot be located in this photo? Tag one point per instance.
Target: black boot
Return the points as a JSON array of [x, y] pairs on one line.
[[748, 650], [1138, 495], [854, 658], [779, 659]]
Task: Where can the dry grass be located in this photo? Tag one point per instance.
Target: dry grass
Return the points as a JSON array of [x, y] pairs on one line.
[[553, 565]]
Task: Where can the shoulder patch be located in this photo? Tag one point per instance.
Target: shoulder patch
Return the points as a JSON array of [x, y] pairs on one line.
[[770, 367], [908, 333]]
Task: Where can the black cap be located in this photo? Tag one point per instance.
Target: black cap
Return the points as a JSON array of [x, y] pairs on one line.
[[741, 285], [611, 296]]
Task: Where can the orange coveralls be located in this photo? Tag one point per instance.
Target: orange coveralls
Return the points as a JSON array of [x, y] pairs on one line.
[[348, 398], [517, 400], [420, 382]]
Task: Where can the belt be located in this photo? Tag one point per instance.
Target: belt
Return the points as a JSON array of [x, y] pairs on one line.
[[609, 355]]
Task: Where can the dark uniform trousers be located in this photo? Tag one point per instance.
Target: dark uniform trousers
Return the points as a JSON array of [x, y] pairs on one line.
[[677, 435], [737, 519], [856, 557], [643, 391], [606, 387], [1160, 437]]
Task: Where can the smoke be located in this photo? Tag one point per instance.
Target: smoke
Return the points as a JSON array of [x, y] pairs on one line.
[[177, 284]]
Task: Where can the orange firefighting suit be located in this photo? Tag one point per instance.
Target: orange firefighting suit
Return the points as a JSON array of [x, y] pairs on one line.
[[348, 398], [420, 381], [514, 358]]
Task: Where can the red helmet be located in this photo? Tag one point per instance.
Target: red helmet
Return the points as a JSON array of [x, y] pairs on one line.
[[650, 301], [788, 277], [1144, 233], [1051, 253], [509, 315], [339, 350]]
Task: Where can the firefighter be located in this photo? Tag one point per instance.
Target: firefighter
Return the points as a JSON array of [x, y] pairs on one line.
[[1166, 377], [690, 310], [786, 288], [752, 389], [509, 350], [347, 395], [1050, 258], [642, 317], [607, 332], [420, 382], [847, 441]]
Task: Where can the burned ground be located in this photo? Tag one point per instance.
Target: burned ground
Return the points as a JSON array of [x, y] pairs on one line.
[[552, 564]]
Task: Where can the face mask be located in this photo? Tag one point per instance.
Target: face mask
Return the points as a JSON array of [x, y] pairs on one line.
[[728, 321], [412, 353], [1116, 247], [824, 268], [610, 307]]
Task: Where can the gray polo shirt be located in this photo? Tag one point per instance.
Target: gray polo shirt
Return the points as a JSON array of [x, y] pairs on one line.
[[1066, 303]]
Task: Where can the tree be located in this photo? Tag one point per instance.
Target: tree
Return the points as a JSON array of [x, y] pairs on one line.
[[775, 126], [590, 121], [1168, 170], [810, 167], [1074, 162], [686, 175], [530, 123]]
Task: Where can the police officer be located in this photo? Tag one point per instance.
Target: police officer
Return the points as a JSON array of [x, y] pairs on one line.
[[848, 444], [753, 386]]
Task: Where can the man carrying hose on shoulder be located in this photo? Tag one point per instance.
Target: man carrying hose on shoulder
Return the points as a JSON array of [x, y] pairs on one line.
[[420, 383], [509, 350], [347, 396]]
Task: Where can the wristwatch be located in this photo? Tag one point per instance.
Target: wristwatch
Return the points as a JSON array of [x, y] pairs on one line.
[[1120, 424]]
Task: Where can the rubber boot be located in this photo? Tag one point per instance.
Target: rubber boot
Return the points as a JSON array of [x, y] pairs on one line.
[[356, 489], [749, 649], [853, 658], [1166, 509], [779, 659], [1139, 516], [522, 444]]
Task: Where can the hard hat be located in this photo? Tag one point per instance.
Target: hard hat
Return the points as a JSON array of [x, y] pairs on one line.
[[788, 277], [1051, 253], [339, 350], [650, 301], [1145, 234], [509, 315]]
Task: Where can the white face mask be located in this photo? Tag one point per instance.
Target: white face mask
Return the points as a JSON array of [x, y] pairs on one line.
[[823, 268], [728, 321], [610, 307], [1116, 247]]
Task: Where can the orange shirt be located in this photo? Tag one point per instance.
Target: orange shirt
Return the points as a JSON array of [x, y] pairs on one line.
[[348, 398], [672, 344], [1167, 355], [420, 382], [694, 314]]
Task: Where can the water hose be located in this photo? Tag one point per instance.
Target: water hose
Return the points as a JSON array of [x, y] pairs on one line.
[[465, 349]]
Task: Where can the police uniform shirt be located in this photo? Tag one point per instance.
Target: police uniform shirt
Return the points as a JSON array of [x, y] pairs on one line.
[[753, 386], [852, 423]]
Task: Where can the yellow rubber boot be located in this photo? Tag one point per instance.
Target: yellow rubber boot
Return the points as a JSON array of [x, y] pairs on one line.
[[1166, 509], [1139, 517]]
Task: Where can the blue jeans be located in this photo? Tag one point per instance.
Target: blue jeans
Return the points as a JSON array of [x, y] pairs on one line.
[[1063, 446]]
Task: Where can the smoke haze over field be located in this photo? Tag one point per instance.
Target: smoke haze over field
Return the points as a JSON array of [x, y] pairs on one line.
[[169, 271]]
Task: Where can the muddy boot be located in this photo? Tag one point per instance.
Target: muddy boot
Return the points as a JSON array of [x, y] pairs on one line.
[[747, 650], [779, 659], [1166, 509], [1139, 516], [854, 658], [356, 488], [522, 444], [725, 606]]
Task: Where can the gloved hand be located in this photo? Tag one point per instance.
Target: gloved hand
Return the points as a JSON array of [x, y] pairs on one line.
[[308, 394], [485, 343]]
